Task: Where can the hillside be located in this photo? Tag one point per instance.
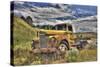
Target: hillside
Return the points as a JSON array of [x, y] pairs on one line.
[[22, 38], [22, 31]]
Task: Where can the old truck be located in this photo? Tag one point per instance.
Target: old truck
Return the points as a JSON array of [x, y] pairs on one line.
[[52, 38]]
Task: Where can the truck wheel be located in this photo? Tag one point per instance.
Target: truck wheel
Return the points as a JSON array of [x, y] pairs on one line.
[[63, 46]]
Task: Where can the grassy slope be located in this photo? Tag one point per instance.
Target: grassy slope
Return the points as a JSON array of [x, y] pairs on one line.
[[22, 35], [22, 32]]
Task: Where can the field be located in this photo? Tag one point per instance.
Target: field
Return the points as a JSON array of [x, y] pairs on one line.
[[23, 35]]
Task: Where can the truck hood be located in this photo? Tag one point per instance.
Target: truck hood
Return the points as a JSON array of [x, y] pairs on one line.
[[52, 32]]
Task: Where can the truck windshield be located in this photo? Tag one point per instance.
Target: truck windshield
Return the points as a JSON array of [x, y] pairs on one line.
[[61, 27], [64, 27]]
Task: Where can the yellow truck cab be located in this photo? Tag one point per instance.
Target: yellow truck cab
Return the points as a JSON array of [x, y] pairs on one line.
[[60, 36]]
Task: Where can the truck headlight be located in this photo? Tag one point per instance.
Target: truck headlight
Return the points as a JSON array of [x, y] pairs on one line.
[[52, 41]]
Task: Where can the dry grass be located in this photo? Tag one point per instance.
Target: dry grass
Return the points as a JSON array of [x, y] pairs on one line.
[[87, 55]]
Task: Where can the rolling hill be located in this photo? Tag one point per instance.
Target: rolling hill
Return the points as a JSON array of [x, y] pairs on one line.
[[22, 32]]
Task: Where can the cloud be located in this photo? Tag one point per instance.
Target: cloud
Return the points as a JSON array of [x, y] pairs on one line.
[[17, 2]]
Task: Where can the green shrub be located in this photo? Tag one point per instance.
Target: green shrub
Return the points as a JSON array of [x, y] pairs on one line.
[[71, 55]]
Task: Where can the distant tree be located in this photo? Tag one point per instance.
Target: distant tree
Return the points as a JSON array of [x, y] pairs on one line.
[[29, 20], [23, 18]]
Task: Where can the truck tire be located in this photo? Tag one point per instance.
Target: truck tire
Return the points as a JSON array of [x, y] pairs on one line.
[[63, 46]]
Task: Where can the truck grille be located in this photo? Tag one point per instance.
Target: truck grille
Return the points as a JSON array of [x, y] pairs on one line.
[[43, 40]]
